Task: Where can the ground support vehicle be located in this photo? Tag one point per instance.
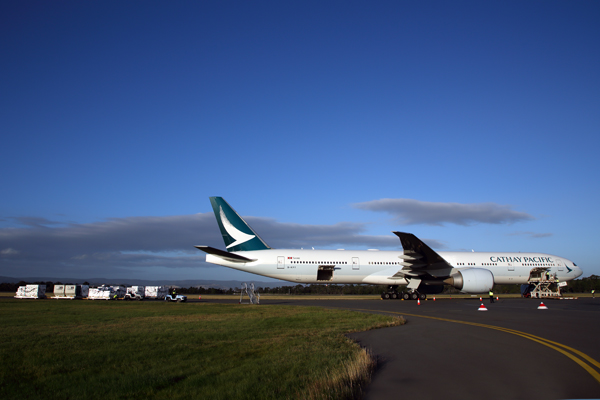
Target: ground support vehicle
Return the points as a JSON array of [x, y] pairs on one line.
[[176, 297], [135, 293]]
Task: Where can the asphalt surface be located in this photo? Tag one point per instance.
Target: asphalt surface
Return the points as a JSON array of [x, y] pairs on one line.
[[433, 358]]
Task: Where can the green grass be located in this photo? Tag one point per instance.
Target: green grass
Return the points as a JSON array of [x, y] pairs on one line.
[[153, 350]]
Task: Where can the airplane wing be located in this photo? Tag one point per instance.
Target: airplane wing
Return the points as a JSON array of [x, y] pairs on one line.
[[231, 257], [419, 259]]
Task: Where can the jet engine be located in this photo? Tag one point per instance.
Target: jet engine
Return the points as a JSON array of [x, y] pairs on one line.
[[472, 280]]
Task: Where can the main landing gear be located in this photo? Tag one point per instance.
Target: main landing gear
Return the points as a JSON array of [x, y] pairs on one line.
[[392, 293]]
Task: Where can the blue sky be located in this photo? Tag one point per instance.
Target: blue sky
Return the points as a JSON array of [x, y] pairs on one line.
[[120, 119]]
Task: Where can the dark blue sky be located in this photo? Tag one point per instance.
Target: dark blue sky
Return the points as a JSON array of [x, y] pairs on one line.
[[294, 111]]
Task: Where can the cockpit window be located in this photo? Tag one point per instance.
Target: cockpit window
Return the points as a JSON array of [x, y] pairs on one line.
[[574, 264]]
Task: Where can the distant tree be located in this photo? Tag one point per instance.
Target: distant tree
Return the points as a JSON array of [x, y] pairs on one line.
[[9, 287]]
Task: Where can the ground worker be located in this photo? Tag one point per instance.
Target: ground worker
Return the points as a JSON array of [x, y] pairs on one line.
[[593, 295], [491, 297]]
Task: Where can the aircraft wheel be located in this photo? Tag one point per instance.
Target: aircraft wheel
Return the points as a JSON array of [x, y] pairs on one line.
[[414, 296], [394, 296], [385, 296], [405, 296], [422, 296]]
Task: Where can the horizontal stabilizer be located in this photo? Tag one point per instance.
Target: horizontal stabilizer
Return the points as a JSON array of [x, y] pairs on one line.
[[232, 257]]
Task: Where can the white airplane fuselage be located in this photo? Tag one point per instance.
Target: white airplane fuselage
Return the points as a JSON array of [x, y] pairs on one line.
[[379, 267]]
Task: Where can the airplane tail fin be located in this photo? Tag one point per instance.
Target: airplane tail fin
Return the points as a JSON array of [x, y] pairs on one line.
[[237, 234]]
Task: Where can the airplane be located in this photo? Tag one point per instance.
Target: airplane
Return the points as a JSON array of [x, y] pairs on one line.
[[417, 267]]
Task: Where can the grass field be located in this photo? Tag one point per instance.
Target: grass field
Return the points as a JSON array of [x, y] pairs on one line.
[[54, 349]]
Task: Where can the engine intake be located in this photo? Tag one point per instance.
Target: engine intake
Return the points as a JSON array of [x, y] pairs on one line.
[[472, 280]]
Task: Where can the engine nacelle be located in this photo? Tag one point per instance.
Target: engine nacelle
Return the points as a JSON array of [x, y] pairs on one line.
[[472, 280]]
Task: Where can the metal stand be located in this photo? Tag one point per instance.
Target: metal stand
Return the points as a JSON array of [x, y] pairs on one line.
[[543, 285], [252, 295]]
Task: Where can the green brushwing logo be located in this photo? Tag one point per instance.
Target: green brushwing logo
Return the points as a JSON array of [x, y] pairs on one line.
[[238, 236]]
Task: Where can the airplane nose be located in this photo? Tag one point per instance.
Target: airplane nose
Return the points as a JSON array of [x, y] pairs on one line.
[[579, 272]]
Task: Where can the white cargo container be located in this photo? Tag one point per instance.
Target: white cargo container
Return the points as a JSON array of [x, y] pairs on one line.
[[156, 292], [102, 293], [20, 293], [31, 292], [70, 292], [59, 291]]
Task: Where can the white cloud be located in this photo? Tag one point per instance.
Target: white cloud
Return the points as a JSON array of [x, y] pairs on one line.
[[412, 212], [9, 252]]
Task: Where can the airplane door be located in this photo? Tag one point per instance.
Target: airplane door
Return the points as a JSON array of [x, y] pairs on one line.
[[280, 262], [355, 263]]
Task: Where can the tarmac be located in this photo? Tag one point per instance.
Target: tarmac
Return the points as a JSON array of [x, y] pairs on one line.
[[448, 349]]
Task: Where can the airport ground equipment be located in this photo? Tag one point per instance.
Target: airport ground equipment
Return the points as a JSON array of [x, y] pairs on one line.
[[59, 291], [120, 291], [102, 293], [541, 284], [31, 292], [135, 293], [176, 297], [156, 292], [251, 293], [70, 292]]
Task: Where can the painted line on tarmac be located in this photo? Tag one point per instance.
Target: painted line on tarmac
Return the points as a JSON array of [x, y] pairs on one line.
[[570, 352]]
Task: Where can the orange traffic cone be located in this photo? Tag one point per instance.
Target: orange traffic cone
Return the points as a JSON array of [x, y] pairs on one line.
[[433, 298], [497, 298], [480, 299], [482, 308], [542, 306], [418, 302], [199, 297]]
